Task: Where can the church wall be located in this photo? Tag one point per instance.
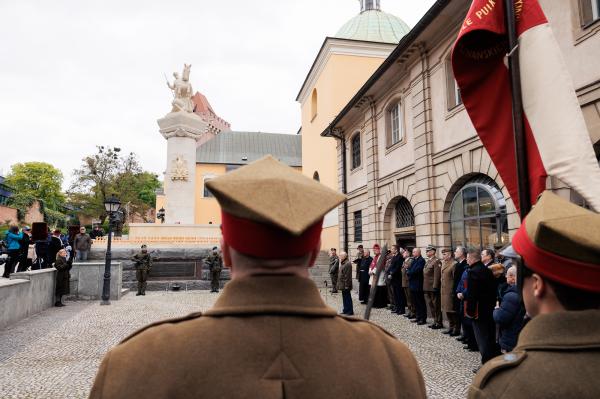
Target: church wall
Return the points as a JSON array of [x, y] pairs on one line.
[[207, 210], [340, 79]]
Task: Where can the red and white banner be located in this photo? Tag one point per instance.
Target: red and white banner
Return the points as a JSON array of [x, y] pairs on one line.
[[558, 143]]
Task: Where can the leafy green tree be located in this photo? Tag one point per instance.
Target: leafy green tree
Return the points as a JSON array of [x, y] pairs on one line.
[[37, 180], [31, 181], [108, 172]]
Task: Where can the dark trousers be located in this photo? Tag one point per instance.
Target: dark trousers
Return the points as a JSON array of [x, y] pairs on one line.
[[467, 327], [11, 262], [334, 279], [418, 298], [485, 335], [215, 275], [24, 263], [390, 294], [363, 291], [409, 302], [399, 298], [142, 277], [347, 303]]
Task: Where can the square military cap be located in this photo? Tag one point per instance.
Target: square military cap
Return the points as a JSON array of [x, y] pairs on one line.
[[561, 241], [430, 248], [271, 210]]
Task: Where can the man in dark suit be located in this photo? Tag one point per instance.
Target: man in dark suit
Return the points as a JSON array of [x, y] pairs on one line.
[[480, 298], [415, 282], [395, 277], [363, 277]]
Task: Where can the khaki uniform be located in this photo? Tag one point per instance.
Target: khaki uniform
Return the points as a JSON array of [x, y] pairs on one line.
[[215, 266], [432, 273], [266, 337], [143, 265], [409, 301], [557, 356], [447, 294]]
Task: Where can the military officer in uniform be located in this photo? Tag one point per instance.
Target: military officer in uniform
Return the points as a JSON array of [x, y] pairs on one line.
[[410, 314], [215, 265], [447, 294], [269, 334], [432, 278], [143, 264], [558, 351]]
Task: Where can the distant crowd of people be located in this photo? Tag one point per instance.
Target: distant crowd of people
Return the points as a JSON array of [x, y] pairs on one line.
[[57, 250], [475, 290]]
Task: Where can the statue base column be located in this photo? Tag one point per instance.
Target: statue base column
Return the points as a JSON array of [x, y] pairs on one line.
[[182, 130]]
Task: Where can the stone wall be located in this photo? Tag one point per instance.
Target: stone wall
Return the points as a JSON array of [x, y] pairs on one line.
[[26, 294], [87, 280], [8, 214]]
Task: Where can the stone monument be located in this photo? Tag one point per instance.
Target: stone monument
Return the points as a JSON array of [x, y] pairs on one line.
[[182, 129]]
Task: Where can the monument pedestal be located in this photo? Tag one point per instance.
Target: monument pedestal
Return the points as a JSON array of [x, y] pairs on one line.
[[182, 131]]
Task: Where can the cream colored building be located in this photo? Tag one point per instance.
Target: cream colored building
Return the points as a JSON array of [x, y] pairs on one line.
[[228, 151], [342, 66], [407, 154]]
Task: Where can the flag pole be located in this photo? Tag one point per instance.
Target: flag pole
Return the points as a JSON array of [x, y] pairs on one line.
[[514, 71]]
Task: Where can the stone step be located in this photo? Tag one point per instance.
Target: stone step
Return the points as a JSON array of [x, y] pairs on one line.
[[171, 285]]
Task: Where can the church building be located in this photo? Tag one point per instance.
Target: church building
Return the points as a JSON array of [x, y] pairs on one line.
[[343, 64]]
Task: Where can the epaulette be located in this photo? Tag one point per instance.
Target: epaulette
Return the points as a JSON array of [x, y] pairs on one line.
[[356, 319], [175, 320], [502, 362]]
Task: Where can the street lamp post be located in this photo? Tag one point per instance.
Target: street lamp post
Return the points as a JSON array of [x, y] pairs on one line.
[[111, 205], [160, 215]]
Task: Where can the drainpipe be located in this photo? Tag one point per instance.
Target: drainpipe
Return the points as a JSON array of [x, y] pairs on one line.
[[342, 139]]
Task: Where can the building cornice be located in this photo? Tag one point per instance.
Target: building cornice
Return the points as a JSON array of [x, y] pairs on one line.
[[335, 46]]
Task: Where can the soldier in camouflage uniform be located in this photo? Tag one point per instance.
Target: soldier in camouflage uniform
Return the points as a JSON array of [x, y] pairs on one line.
[[143, 264], [215, 265]]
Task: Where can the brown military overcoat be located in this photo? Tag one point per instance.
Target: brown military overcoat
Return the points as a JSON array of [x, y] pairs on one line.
[[557, 356], [447, 289], [265, 337], [432, 273], [405, 266]]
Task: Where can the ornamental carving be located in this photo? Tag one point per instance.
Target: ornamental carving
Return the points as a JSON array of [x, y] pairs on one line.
[[179, 170]]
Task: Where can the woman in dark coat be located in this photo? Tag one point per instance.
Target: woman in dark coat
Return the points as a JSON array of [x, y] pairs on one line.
[[62, 277], [363, 277]]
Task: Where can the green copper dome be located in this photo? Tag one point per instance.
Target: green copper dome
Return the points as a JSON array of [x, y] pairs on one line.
[[374, 25]]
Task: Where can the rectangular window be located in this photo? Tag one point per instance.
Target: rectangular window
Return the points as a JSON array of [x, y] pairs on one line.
[[358, 226], [355, 144], [590, 11], [207, 193], [396, 123], [454, 98]]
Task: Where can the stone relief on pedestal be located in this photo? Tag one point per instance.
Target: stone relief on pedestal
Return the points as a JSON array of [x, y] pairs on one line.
[[179, 171], [182, 91]]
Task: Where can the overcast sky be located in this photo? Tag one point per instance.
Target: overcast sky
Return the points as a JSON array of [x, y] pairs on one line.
[[76, 74]]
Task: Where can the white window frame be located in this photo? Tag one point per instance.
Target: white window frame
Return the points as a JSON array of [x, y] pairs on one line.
[[396, 123]]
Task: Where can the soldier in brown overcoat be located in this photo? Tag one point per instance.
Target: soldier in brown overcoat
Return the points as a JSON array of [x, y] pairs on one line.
[[557, 249], [447, 293], [411, 314], [432, 273], [269, 334]]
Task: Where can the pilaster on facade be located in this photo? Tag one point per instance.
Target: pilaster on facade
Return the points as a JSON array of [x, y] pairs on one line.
[[424, 205], [370, 229]]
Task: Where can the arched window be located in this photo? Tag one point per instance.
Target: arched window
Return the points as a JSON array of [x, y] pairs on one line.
[[355, 147], [395, 124], [316, 176], [313, 105], [405, 216], [478, 215]]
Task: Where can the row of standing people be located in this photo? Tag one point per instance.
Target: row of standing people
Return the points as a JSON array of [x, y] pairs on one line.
[[476, 293]]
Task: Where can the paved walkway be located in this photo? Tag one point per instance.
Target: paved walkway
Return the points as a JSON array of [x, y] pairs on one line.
[[55, 354]]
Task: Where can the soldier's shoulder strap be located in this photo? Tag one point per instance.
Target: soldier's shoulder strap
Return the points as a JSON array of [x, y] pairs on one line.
[[357, 320], [175, 320], [499, 363]]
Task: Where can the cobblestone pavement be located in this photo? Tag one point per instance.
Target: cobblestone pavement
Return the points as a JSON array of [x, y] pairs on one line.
[[56, 353]]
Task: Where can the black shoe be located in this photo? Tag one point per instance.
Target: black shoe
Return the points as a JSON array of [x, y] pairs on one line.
[[476, 369], [143, 293], [431, 326], [470, 348], [460, 338], [454, 334], [422, 322], [447, 332], [412, 317], [437, 326], [138, 294], [59, 305]]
